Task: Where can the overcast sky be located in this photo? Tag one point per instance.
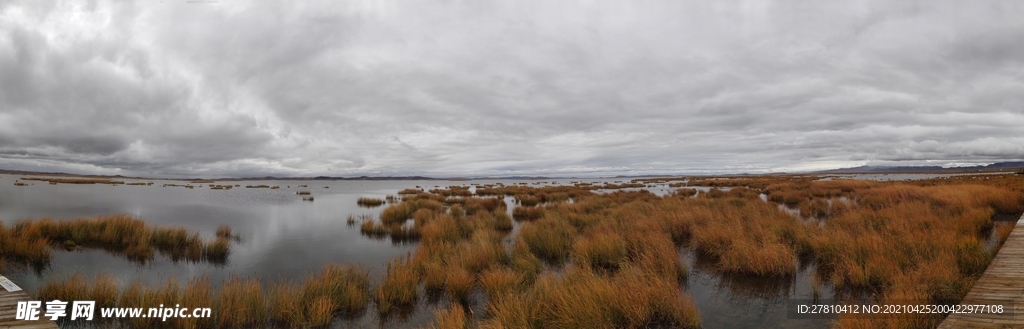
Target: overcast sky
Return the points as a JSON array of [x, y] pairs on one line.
[[518, 87]]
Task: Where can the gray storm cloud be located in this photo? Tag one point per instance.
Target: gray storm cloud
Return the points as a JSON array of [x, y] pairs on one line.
[[497, 87]]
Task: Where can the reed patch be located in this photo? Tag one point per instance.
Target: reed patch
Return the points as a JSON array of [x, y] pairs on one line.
[[27, 240]]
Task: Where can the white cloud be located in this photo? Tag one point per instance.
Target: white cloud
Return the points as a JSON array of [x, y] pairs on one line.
[[506, 87]]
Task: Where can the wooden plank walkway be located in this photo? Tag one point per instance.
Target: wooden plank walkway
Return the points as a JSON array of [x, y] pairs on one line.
[[8, 308], [1002, 283]]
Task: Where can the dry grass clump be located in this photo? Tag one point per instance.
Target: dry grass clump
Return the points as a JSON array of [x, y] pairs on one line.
[[240, 304], [404, 233], [217, 252], [789, 198], [442, 228], [500, 281], [646, 300], [196, 293], [686, 192], [397, 232], [457, 211], [527, 213], [139, 295], [749, 237], [410, 191], [452, 317], [401, 212], [303, 193], [554, 197], [399, 286], [319, 313], [224, 231], [346, 287], [823, 208], [373, 229], [285, 304], [103, 290], [475, 205], [20, 248], [502, 221], [434, 274], [73, 288], [583, 299], [369, 202], [604, 249], [527, 200], [549, 239], [462, 191], [116, 233], [881, 243], [459, 284]]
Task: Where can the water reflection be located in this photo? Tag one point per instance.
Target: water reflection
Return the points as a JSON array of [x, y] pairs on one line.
[[740, 301]]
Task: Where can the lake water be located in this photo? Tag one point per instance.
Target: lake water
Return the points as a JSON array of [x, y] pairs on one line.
[[282, 236]]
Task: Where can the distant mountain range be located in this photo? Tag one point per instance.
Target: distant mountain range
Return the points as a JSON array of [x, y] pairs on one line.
[[21, 172], [1000, 166]]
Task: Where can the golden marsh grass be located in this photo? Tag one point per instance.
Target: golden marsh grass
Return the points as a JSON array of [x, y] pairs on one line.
[[614, 260], [369, 202], [28, 241]]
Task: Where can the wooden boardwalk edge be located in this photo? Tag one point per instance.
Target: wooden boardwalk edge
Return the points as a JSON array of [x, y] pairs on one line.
[[1002, 283], [8, 309]]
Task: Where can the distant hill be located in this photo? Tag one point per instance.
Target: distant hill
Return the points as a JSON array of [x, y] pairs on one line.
[[37, 173], [1001, 166]]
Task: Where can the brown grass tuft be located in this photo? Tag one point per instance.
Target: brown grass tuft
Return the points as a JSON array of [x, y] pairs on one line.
[[459, 284], [527, 213], [240, 304], [285, 304], [117, 233], [452, 317], [549, 239], [369, 202], [399, 287]]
